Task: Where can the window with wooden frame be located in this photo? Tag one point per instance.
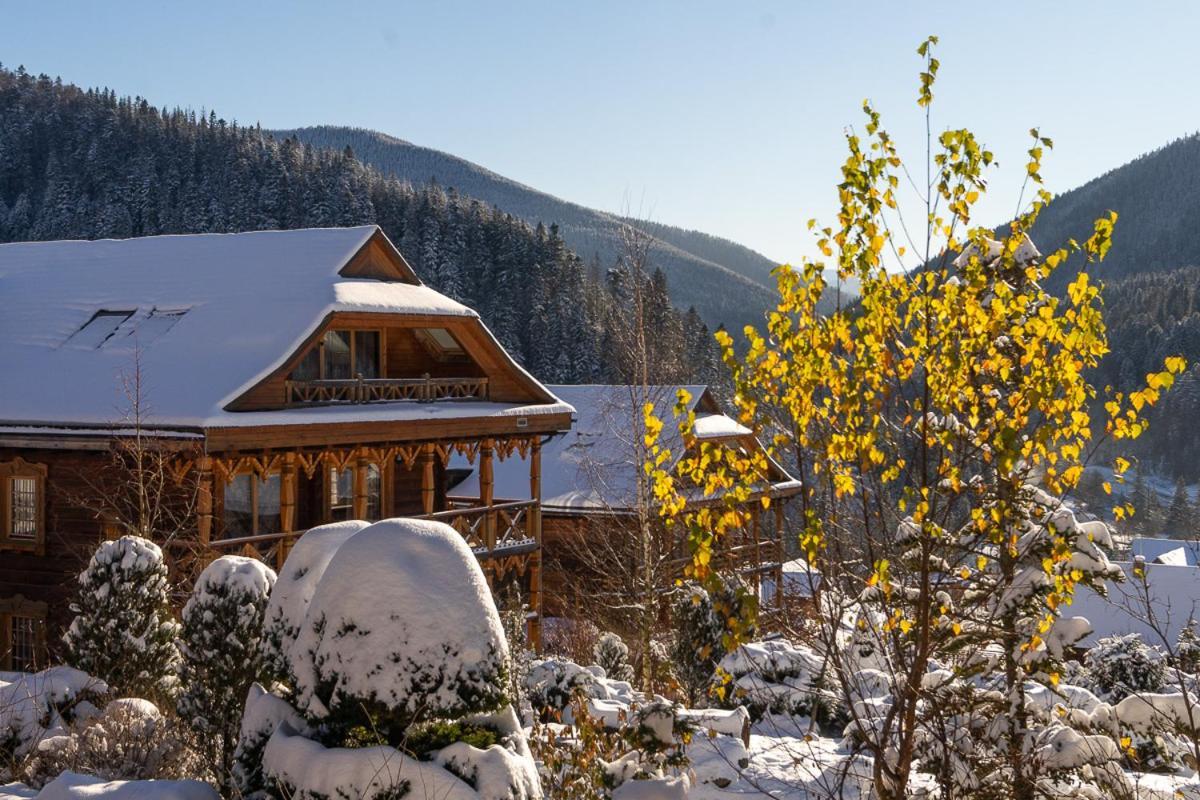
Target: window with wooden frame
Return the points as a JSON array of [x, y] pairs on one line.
[[22, 505], [22, 634], [340, 493], [251, 505], [342, 355]]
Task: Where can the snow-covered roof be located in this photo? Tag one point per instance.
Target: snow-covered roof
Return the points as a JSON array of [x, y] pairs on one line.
[[1174, 597], [1163, 551], [210, 315], [593, 466], [800, 580]]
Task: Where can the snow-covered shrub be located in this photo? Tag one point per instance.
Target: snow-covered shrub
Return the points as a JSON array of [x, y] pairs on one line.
[[129, 740], [401, 628], [1119, 666], [264, 712], [697, 646], [1187, 649], [612, 655], [124, 632], [572, 639], [777, 677], [293, 591], [400, 666], [222, 652], [514, 618], [33, 706]]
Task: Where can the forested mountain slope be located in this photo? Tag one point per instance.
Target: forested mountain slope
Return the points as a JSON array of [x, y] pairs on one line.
[[727, 283], [1157, 198], [87, 164]]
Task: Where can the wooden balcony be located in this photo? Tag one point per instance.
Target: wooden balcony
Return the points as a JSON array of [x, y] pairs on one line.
[[425, 389]]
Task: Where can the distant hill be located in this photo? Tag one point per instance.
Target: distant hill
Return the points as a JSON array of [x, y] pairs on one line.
[[726, 282]]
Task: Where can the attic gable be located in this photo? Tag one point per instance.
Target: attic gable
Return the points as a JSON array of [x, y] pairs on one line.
[[378, 259]]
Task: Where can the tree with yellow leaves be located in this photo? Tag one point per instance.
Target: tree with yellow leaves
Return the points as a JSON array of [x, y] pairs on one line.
[[937, 423]]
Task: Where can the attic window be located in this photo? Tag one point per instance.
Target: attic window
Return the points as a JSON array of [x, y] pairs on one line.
[[157, 324], [441, 344], [99, 329]]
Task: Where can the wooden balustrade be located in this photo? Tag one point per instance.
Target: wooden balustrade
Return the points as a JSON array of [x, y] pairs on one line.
[[499, 530], [425, 389]]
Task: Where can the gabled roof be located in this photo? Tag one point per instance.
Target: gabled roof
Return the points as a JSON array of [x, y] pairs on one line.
[[1174, 597], [209, 316], [593, 466]]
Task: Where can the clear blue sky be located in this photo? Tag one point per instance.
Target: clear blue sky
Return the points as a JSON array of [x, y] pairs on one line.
[[725, 117]]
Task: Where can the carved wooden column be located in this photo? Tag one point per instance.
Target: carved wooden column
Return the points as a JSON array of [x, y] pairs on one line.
[[535, 528], [756, 532], [287, 507], [427, 487], [204, 500], [487, 484], [780, 553], [360, 488]]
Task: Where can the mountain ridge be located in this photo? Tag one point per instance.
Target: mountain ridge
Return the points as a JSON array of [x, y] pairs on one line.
[[721, 293]]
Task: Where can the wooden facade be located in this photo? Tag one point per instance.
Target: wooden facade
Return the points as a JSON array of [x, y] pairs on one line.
[[360, 421]]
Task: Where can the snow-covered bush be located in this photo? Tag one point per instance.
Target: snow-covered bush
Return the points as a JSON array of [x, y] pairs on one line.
[[222, 652], [1118, 666], [612, 655], [697, 646], [1187, 649], [777, 677], [293, 591], [263, 714], [124, 632], [401, 628], [129, 740], [400, 667], [34, 706], [514, 618]]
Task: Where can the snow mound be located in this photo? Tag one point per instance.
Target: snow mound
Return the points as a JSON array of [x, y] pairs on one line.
[[311, 771], [402, 619], [73, 786]]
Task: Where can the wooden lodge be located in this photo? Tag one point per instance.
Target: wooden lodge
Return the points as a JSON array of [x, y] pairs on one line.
[[286, 379], [589, 492]]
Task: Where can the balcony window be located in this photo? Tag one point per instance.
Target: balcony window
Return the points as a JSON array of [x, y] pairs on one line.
[[252, 505], [337, 355], [341, 356]]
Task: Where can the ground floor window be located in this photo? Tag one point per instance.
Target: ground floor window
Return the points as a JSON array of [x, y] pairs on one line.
[[252, 505], [341, 491], [22, 486], [22, 634]]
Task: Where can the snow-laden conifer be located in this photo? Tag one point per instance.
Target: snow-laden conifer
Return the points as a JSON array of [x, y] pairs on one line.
[[222, 654], [612, 655], [124, 631]]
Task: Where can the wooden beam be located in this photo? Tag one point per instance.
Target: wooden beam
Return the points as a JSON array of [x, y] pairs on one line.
[[535, 561], [360, 488], [204, 500], [287, 493], [428, 488]]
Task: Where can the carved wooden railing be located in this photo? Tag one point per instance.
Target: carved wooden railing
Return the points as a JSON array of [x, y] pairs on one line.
[[497, 531], [425, 389], [501, 529]]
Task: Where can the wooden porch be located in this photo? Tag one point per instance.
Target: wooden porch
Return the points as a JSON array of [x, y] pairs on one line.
[[504, 534]]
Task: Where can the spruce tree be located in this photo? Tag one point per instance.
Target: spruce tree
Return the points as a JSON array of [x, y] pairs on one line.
[[222, 652], [612, 655], [1179, 522], [124, 632]]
